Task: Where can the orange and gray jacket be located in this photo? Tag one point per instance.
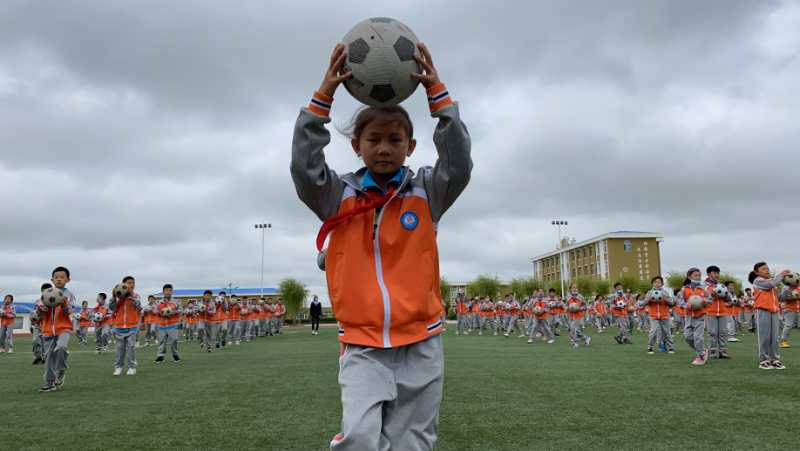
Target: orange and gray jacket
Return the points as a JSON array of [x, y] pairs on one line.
[[382, 267]]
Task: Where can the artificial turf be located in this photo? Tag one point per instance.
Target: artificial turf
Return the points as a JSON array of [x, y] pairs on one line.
[[281, 393]]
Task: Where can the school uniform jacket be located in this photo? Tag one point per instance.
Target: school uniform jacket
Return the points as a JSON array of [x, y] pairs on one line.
[[9, 314], [383, 268], [766, 294], [56, 320], [788, 297], [126, 313]]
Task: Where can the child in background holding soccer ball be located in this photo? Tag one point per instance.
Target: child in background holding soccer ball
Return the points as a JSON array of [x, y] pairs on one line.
[[694, 331], [767, 308], [168, 312], [391, 358], [619, 309], [8, 315], [576, 308], [126, 312], [56, 330], [36, 330], [717, 314], [102, 328], [541, 325], [84, 321], [657, 302], [790, 299]]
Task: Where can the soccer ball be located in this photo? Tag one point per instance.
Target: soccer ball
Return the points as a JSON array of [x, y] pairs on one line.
[[146, 309], [620, 303], [538, 310], [52, 297], [696, 302], [97, 317], [380, 52], [34, 315], [574, 308], [121, 291], [201, 308], [720, 291], [657, 295], [167, 311], [791, 279]]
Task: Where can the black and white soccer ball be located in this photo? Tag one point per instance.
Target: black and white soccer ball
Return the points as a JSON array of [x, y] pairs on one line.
[[121, 291], [720, 291], [574, 308], [538, 310], [97, 317], [380, 52], [201, 308], [166, 311], [53, 296], [792, 279], [35, 315], [696, 302], [657, 295], [620, 303]]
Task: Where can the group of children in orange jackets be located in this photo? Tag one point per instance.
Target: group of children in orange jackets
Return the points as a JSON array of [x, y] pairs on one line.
[[216, 321], [697, 308]]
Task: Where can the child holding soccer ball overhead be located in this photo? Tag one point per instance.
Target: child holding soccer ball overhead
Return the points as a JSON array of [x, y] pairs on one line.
[[382, 260]]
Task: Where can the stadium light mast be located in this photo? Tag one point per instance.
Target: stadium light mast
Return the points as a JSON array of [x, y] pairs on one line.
[[558, 223], [263, 227]]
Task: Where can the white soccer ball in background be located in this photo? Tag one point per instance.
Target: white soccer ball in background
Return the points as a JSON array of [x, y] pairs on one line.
[[721, 291], [657, 295], [792, 279], [97, 317], [620, 303], [380, 53]]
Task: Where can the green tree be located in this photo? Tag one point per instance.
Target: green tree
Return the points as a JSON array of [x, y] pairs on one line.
[[446, 290], [587, 285], [727, 277], [293, 293], [602, 287], [484, 285], [675, 279], [524, 286]]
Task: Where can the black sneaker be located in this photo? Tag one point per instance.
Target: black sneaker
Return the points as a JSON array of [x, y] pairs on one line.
[[60, 379], [619, 340], [216, 345], [176, 360], [778, 365], [650, 350], [724, 355], [158, 360], [37, 361], [47, 387]]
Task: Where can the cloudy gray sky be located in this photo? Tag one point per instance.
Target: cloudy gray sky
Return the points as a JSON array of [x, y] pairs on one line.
[[147, 138]]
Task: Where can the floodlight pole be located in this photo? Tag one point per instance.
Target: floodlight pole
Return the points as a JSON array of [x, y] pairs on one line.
[[558, 223], [263, 227]]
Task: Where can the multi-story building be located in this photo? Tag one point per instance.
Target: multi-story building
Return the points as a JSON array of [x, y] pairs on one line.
[[608, 256]]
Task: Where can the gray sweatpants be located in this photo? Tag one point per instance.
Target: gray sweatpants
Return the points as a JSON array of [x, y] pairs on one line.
[[660, 332], [461, 322], [789, 321], [126, 347], [38, 350], [693, 333], [718, 329], [624, 328], [55, 356], [543, 326], [7, 337], [767, 330], [576, 330], [168, 338], [513, 325], [101, 336], [390, 397], [233, 330], [211, 330]]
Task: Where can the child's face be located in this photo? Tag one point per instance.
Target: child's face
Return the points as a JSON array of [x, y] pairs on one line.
[[167, 292], [7, 299], [658, 283], [206, 297], [60, 279], [384, 145], [713, 275], [695, 275], [84, 304], [131, 284], [763, 271]]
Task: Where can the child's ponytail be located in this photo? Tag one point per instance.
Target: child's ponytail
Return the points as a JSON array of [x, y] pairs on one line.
[[752, 277]]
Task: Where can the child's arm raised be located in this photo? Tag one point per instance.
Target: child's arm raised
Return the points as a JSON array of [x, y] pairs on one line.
[[448, 178], [317, 185]]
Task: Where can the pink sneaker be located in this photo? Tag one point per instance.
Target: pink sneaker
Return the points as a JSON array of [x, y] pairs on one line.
[[698, 361]]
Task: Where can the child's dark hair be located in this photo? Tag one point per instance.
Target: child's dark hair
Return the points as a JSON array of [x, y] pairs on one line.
[[207, 292], [368, 114], [688, 279], [752, 276], [712, 268], [616, 285], [127, 278], [9, 297], [46, 286], [60, 269], [166, 285], [552, 290], [103, 295], [653, 280]]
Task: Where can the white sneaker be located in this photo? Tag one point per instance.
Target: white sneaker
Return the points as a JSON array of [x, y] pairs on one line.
[[505, 335], [550, 341], [588, 340], [131, 372], [733, 339], [456, 332], [530, 340], [10, 351], [480, 333], [117, 371], [520, 336]]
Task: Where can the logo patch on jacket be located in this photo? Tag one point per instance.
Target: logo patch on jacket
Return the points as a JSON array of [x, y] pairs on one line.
[[409, 220]]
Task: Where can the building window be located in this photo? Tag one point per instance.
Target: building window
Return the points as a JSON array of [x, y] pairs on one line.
[[627, 246]]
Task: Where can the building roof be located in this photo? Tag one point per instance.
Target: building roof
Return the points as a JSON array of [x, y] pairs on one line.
[[618, 234], [237, 291]]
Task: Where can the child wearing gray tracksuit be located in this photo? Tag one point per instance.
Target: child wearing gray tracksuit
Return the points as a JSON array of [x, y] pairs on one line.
[[8, 315], [391, 377], [767, 310], [657, 301], [540, 323], [576, 309], [790, 297], [695, 315], [513, 326], [168, 314]]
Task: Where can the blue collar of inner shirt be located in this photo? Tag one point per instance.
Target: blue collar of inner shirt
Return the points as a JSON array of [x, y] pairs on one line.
[[368, 182]]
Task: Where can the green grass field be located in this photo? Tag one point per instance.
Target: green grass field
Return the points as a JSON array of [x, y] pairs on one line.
[[281, 393]]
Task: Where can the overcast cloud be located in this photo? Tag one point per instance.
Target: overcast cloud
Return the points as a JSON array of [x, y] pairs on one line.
[[147, 138]]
